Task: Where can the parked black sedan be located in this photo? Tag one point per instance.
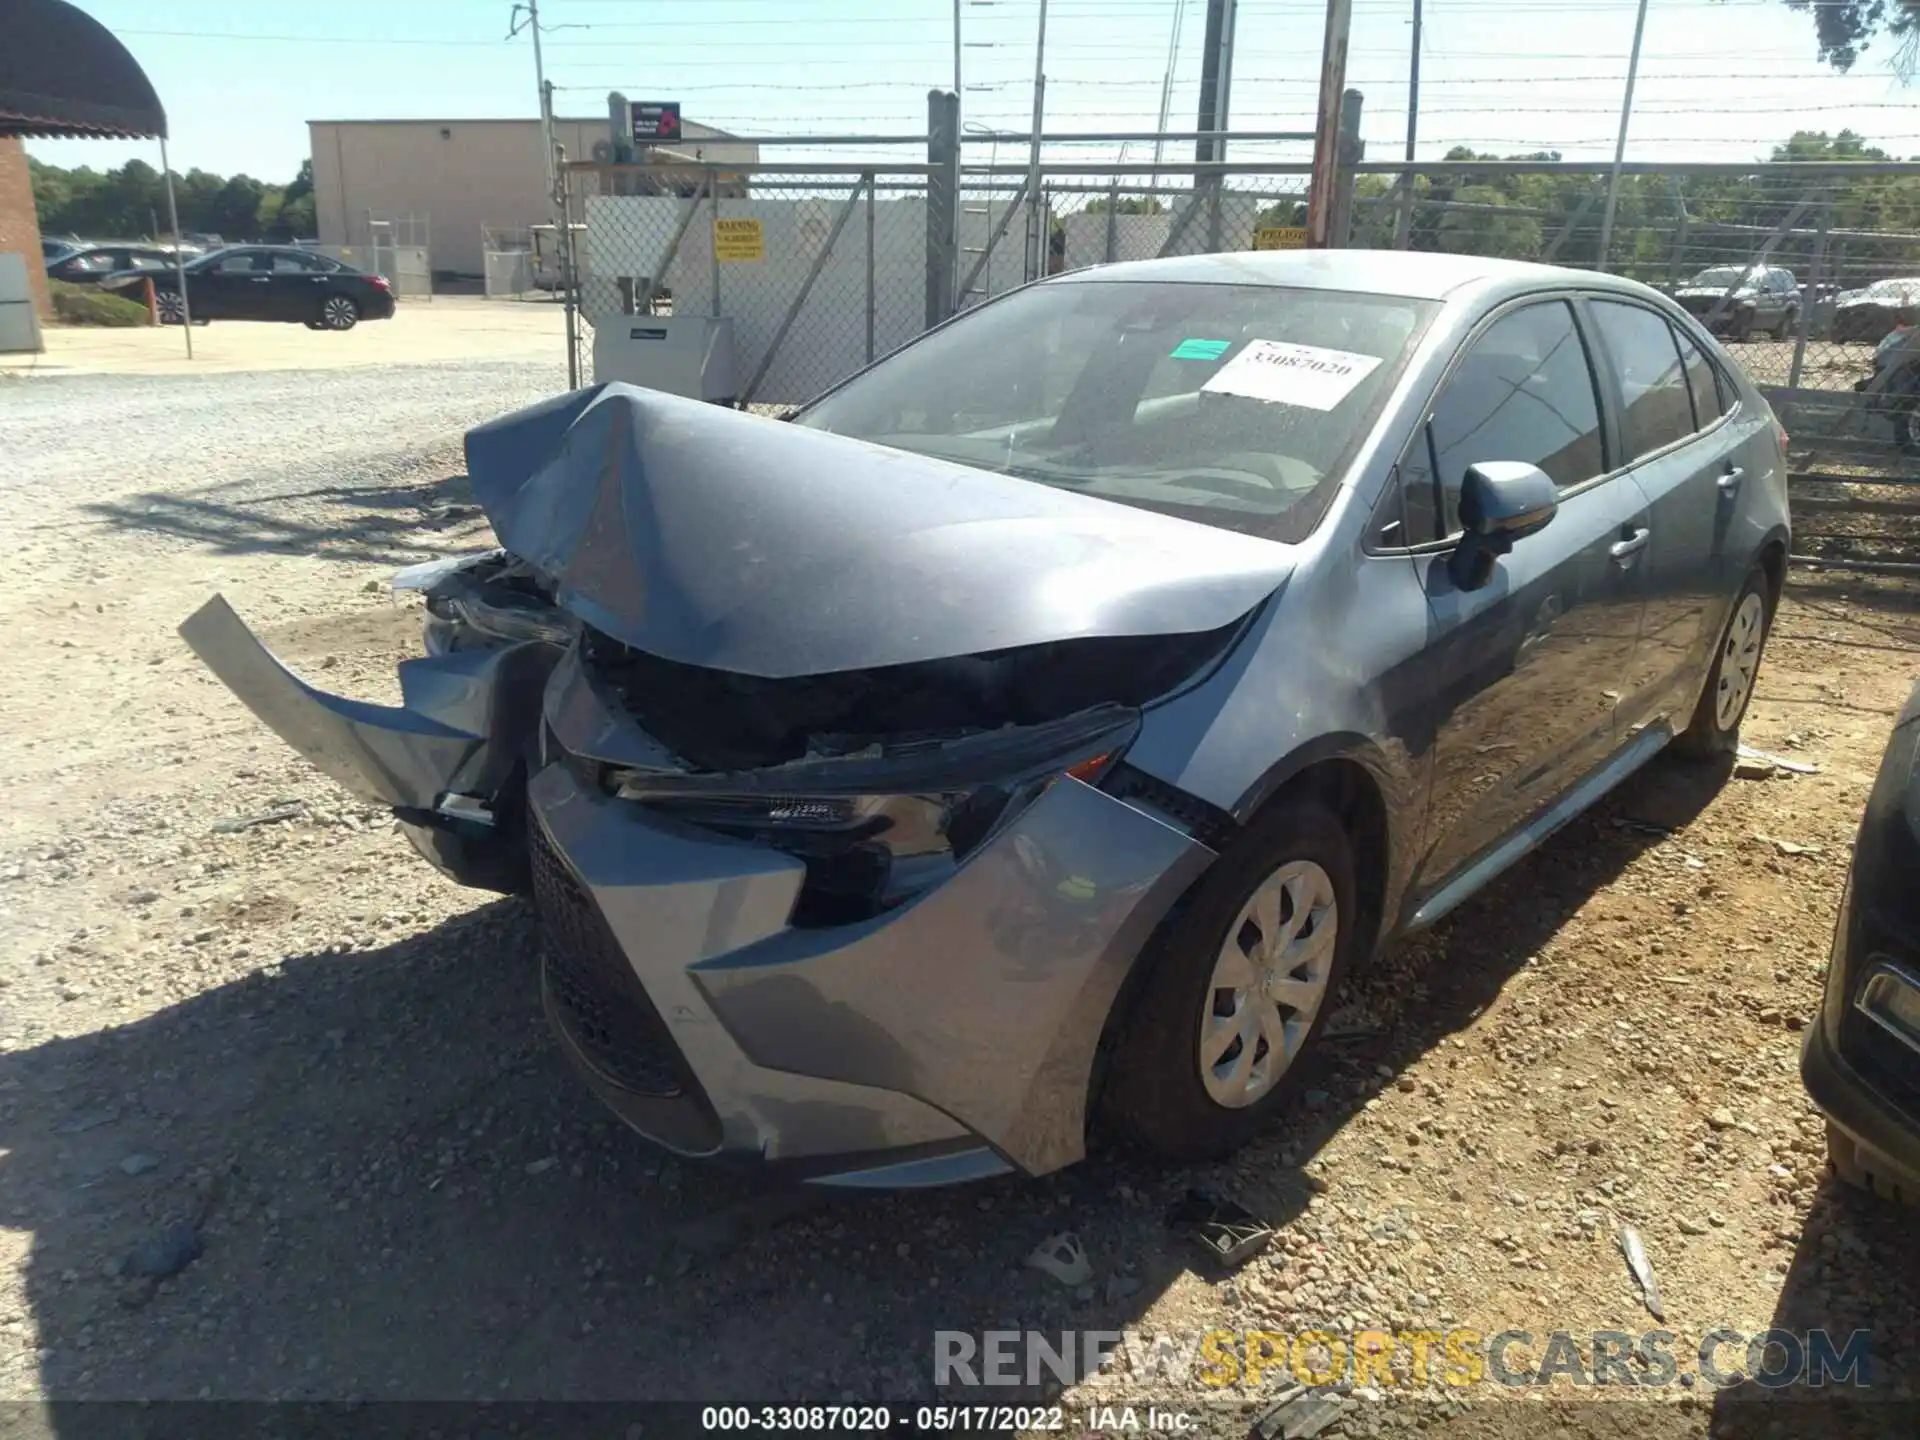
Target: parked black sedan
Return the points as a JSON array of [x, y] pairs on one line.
[[270, 282], [91, 264], [1861, 1060]]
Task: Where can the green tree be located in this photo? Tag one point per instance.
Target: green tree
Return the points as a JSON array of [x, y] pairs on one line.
[[1846, 27], [1129, 205]]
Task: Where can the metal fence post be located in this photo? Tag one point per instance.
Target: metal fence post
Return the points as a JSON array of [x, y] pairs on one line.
[[1810, 295], [713, 237], [1676, 262], [943, 206], [1113, 217], [871, 188], [569, 272], [1340, 228]]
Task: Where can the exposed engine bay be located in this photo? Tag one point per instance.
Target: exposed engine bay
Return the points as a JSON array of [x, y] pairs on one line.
[[881, 780]]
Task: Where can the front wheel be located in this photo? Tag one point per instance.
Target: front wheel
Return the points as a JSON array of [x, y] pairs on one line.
[[339, 312], [1715, 728], [172, 309], [1239, 988], [1906, 425]]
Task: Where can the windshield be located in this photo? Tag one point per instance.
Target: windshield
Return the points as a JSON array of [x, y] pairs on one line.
[[1892, 289], [1234, 405]]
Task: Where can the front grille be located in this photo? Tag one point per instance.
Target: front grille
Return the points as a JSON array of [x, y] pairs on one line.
[[597, 998]]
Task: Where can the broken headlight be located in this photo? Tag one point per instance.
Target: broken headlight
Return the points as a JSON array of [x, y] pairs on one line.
[[479, 601], [865, 853]]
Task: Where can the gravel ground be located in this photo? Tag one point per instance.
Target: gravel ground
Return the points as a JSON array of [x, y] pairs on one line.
[[290, 1066]]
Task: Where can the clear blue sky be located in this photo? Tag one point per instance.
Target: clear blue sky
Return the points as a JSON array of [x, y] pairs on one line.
[[1721, 79]]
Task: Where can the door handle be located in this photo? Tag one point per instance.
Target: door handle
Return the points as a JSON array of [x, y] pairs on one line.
[[1633, 545], [1730, 481], [260, 279]]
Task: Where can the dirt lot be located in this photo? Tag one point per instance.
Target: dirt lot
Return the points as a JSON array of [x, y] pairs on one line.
[[328, 1064]]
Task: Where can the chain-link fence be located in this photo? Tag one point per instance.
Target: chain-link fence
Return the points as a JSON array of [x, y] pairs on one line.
[[815, 272], [818, 269], [507, 262]]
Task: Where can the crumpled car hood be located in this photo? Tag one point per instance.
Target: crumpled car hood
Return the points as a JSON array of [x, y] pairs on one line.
[[717, 538]]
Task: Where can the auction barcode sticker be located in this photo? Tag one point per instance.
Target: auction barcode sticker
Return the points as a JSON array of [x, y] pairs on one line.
[[1289, 374]]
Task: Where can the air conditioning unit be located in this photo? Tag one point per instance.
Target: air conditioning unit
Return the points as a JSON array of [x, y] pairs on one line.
[[690, 355]]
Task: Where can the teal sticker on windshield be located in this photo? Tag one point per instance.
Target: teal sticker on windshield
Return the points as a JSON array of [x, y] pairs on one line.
[[1201, 349]]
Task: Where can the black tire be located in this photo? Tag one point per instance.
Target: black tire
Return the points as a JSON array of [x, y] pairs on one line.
[[1864, 1169], [1711, 734], [313, 324], [339, 312], [1155, 1094], [1906, 424]]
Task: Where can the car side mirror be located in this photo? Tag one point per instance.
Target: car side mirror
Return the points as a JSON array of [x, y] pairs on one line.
[[1501, 501]]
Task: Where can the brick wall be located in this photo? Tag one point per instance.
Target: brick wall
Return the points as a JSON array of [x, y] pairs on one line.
[[19, 225]]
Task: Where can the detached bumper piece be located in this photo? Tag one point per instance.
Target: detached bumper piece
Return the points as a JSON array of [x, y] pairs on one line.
[[450, 760]]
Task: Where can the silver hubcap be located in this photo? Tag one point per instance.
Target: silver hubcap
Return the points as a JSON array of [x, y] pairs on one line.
[[1268, 982], [1740, 660], [170, 306], [339, 313]]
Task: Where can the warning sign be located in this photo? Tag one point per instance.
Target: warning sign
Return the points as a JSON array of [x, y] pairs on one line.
[[739, 240], [1282, 237]]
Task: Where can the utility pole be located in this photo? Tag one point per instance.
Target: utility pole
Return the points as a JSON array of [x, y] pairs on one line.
[[1403, 223], [1216, 79], [541, 90], [1036, 216], [1620, 142], [1326, 129], [1166, 94]]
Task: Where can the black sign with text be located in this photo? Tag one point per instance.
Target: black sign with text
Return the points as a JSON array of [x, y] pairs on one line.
[[655, 120]]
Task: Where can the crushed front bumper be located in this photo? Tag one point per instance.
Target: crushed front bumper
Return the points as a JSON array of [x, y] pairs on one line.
[[948, 1038]]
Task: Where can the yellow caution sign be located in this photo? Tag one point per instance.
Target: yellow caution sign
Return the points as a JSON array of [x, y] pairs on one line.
[[739, 240], [1280, 237]]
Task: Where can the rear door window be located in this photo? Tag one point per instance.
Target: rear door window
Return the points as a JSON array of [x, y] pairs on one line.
[[1646, 360], [1701, 382]]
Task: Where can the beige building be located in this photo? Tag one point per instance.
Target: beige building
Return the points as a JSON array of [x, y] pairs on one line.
[[452, 177]]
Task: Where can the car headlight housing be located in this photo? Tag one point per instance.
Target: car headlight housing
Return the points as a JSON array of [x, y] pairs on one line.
[[867, 850]]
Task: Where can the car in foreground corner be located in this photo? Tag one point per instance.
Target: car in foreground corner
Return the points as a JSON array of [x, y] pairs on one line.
[[266, 282], [1861, 1056], [1052, 717]]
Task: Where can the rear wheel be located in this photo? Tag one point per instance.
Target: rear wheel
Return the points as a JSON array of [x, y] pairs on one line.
[[339, 312], [1715, 728], [168, 303], [1239, 988], [1866, 1169]]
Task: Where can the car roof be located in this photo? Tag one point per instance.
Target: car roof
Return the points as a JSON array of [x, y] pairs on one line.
[[1415, 274]]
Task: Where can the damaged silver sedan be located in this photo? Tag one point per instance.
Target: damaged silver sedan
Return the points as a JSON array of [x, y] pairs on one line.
[[1048, 717]]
